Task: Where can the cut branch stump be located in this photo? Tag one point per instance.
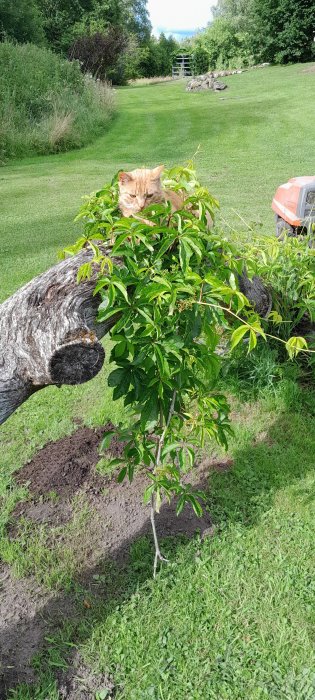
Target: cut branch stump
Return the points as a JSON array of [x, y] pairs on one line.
[[49, 334]]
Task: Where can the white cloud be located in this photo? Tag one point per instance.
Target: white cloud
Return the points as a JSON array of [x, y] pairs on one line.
[[178, 15]]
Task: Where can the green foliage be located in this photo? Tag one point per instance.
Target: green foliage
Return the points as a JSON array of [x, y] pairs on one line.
[[60, 24], [46, 104], [121, 25], [102, 54], [225, 45], [283, 31], [289, 269], [248, 32], [64, 20], [200, 59], [174, 286], [21, 21], [170, 282], [59, 18], [155, 58]]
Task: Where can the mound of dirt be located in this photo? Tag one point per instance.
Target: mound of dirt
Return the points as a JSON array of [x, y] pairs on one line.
[[66, 465]]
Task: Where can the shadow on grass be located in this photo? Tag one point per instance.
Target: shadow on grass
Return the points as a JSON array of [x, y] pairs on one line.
[[274, 460]]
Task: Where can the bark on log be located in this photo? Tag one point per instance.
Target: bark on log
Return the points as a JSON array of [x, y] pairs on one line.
[[257, 293], [49, 334]]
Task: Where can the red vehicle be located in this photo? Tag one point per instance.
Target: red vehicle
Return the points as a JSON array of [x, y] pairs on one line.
[[294, 206]]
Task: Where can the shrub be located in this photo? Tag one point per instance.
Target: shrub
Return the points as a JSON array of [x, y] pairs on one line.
[[200, 60], [46, 104], [100, 53], [288, 269]]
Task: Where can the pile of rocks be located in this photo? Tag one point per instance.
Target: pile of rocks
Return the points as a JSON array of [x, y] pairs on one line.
[[209, 81]]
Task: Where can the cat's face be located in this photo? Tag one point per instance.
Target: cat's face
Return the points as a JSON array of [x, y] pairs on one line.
[[138, 189]]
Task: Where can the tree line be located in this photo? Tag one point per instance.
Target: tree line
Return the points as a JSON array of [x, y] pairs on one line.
[[247, 32], [112, 39]]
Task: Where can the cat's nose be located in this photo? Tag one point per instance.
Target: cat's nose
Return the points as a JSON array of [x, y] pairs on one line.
[[141, 202]]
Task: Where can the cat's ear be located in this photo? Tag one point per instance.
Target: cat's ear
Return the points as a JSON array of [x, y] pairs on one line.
[[156, 172], [124, 178]]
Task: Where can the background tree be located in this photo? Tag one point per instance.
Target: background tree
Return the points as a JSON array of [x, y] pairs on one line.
[[245, 32], [156, 56], [284, 30], [200, 59], [101, 53], [21, 21], [138, 22], [59, 17]]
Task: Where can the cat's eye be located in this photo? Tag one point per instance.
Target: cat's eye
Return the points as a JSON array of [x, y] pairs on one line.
[[149, 195], [132, 195]]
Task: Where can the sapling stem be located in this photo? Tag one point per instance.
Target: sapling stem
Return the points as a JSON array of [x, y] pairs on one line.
[[158, 556]]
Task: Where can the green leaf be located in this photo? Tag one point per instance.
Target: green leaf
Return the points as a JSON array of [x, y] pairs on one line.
[[275, 317], [121, 288], [148, 493], [121, 239], [252, 340], [107, 440], [103, 282], [180, 504], [122, 474], [237, 335], [150, 413], [170, 448], [183, 256], [116, 377], [295, 345], [196, 505], [120, 348]]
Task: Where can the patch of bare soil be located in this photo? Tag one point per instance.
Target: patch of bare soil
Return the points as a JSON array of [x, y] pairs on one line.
[[67, 467], [80, 684]]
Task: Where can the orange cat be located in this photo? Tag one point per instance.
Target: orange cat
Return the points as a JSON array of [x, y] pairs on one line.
[[142, 187]]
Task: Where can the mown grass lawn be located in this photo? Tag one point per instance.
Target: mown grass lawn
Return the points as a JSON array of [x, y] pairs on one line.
[[232, 617]]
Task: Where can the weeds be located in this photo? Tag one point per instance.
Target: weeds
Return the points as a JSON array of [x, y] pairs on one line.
[[46, 104]]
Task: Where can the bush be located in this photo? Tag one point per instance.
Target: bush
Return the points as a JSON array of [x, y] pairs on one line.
[[288, 269], [46, 104], [200, 60], [101, 53]]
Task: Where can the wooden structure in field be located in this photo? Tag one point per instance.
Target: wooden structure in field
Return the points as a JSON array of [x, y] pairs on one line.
[[181, 66]]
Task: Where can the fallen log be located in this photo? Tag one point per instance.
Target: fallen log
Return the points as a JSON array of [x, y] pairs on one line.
[[49, 334]]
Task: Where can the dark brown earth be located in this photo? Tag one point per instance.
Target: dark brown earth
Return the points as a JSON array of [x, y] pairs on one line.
[[118, 518], [68, 464]]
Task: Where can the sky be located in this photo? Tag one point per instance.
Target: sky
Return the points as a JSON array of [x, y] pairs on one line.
[[179, 17]]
